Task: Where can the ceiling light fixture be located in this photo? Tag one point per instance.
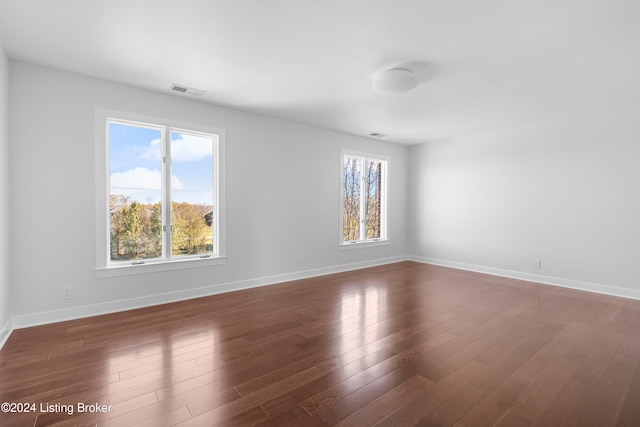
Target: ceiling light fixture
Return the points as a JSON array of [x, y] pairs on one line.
[[397, 80]]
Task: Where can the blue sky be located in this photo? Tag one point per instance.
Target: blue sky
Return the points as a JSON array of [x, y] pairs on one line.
[[136, 164]]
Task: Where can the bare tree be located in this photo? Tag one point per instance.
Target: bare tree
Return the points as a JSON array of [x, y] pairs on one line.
[[373, 182], [351, 201]]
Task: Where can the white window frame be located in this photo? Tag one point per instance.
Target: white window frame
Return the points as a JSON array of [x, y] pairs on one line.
[[106, 268], [384, 210]]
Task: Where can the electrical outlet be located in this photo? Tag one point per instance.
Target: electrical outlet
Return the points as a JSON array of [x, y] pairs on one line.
[[66, 292], [536, 264]]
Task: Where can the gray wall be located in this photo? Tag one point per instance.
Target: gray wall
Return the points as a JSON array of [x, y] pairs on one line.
[[5, 253], [282, 198], [563, 192]]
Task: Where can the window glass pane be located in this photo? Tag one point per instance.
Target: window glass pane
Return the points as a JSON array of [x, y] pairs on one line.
[[192, 207], [135, 181], [351, 198], [373, 188]]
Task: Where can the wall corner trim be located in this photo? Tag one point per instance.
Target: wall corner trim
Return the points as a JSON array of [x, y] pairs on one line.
[[5, 332]]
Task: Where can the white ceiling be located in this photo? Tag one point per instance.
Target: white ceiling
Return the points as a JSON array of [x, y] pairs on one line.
[[483, 65]]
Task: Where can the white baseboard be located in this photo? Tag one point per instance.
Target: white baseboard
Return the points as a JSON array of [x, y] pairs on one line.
[[546, 280], [5, 331], [78, 312]]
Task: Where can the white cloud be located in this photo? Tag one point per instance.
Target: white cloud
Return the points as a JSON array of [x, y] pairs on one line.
[[175, 183], [188, 148], [191, 148], [153, 150], [140, 179]]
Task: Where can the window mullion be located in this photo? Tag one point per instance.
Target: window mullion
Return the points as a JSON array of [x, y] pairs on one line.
[[363, 199], [166, 193]]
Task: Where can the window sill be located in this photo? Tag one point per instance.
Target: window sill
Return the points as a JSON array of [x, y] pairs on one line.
[[362, 245], [155, 267]]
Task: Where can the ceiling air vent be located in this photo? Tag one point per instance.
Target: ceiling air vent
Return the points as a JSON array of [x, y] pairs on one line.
[[377, 135], [187, 90]]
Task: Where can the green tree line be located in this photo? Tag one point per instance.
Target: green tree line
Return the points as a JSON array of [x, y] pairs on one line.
[[136, 229]]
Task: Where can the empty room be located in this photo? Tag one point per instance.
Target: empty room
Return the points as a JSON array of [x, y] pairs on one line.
[[320, 213]]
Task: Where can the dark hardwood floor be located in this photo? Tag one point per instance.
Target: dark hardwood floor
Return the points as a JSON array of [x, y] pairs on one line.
[[398, 345]]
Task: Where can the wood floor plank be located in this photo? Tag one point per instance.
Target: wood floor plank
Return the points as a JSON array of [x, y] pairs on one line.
[[630, 346], [413, 411], [348, 405], [626, 317], [629, 414], [566, 409], [503, 397], [203, 410], [350, 371], [294, 417], [597, 361], [512, 420], [325, 398], [167, 419], [438, 371], [449, 412], [386, 404], [510, 362], [500, 347], [402, 344], [607, 399], [543, 390]]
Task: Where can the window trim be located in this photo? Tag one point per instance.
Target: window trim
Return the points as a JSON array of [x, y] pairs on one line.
[[384, 214], [104, 268]]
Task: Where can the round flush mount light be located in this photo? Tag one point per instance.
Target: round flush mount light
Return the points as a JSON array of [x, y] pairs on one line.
[[397, 80]]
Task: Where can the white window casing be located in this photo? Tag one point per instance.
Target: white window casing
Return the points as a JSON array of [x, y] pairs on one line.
[[363, 200], [166, 260]]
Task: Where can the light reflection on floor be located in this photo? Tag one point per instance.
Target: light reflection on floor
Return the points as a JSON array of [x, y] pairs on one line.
[[361, 313], [173, 365]]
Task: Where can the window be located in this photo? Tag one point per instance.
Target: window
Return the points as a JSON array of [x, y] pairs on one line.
[[161, 192], [364, 196]]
